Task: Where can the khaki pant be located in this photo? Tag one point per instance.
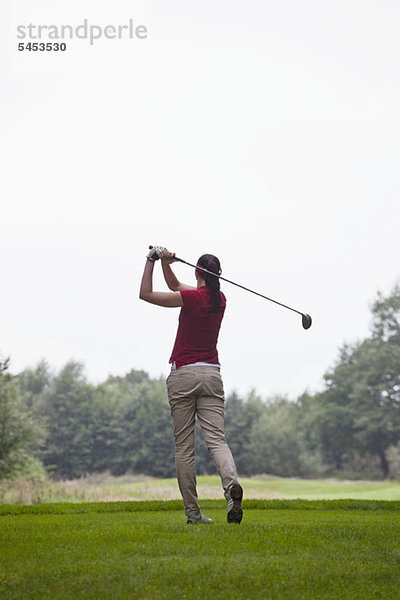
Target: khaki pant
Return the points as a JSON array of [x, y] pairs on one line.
[[192, 391]]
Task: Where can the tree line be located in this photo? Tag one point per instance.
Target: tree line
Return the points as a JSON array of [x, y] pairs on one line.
[[60, 423]]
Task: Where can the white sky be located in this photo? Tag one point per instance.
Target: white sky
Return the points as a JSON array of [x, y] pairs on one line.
[[265, 132]]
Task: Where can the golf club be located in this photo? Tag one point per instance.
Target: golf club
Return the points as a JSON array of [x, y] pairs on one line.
[[306, 320]]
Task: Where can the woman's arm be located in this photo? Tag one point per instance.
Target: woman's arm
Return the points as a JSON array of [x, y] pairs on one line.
[[170, 278], [169, 299]]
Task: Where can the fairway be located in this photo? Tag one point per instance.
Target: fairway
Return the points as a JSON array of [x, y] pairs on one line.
[[103, 487], [282, 549]]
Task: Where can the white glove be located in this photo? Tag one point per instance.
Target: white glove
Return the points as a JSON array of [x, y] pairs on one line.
[[157, 252]]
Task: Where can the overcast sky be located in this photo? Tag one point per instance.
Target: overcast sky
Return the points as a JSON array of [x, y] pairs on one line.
[[265, 132]]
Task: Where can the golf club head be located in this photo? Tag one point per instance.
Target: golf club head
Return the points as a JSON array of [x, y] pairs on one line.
[[306, 321]]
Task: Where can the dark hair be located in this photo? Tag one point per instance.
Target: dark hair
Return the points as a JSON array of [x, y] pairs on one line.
[[211, 263]]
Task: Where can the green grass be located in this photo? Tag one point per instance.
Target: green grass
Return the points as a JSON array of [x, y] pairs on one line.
[[103, 487], [322, 489], [284, 549]]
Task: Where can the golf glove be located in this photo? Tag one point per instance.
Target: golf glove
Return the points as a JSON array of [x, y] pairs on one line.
[[157, 252]]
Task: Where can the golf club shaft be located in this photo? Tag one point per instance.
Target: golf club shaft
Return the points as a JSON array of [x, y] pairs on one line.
[[237, 284]]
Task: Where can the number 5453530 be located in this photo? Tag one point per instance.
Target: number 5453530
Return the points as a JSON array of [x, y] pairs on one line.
[[42, 47]]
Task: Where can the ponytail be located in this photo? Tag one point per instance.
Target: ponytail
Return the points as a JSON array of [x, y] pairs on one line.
[[211, 263]]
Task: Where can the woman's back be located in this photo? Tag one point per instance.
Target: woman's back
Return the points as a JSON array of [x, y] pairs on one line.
[[198, 329]]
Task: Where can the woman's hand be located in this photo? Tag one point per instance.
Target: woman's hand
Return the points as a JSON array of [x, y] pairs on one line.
[[168, 257], [157, 252]]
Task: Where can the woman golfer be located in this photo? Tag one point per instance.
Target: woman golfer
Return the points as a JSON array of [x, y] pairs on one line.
[[194, 384]]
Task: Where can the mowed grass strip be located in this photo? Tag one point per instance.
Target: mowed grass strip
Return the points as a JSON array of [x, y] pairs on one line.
[[102, 487], [318, 551], [64, 508]]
